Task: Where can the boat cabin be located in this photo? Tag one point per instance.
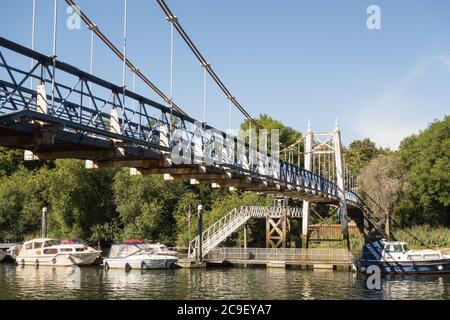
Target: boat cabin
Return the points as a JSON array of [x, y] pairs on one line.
[[384, 250]]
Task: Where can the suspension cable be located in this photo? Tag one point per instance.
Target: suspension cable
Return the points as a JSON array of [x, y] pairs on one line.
[[119, 54], [194, 49]]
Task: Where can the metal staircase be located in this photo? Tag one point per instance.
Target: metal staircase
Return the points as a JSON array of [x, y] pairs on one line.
[[228, 224], [223, 228]]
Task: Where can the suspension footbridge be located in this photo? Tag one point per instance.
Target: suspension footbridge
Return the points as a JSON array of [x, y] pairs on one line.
[[66, 112]]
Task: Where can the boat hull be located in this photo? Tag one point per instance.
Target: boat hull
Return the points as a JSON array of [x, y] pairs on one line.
[[140, 263], [63, 260], [431, 266]]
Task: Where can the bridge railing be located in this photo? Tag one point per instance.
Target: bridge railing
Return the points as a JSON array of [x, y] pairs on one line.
[[84, 103]]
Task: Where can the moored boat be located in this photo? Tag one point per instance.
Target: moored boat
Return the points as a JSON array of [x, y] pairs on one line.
[[51, 252], [137, 254], [4, 250], [394, 257]]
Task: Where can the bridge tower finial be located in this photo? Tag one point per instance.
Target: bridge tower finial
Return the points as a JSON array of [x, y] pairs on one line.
[[337, 124], [309, 124]]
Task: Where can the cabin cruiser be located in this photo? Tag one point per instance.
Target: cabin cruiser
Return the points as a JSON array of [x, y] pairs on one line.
[[394, 257], [136, 254], [51, 252]]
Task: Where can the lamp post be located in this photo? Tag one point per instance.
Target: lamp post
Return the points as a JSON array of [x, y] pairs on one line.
[[200, 233], [44, 222]]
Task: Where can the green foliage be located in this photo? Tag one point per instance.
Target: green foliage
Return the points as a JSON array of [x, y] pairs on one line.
[[10, 161], [287, 134], [77, 198], [359, 153], [426, 159], [146, 204], [20, 206], [424, 236]]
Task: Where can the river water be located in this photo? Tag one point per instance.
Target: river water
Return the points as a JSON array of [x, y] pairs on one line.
[[17, 282]]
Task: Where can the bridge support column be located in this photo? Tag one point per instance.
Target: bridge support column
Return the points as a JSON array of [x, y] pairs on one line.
[[341, 186], [41, 107], [306, 205]]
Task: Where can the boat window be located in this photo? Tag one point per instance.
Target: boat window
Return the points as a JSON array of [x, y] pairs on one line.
[[29, 246], [37, 245], [79, 249], [415, 257], [50, 243], [431, 257], [394, 248], [51, 251], [65, 249]]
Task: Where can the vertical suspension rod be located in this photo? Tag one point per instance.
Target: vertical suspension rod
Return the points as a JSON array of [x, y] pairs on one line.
[[119, 54], [55, 25]]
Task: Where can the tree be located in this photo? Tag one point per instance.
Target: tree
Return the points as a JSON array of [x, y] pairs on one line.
[[382, 180], [20, 206], [77, 198], [10, 161], [359, 153], [287, 134], [426, 159]]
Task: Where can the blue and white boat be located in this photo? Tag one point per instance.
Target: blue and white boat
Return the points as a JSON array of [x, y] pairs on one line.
[[394, 257]]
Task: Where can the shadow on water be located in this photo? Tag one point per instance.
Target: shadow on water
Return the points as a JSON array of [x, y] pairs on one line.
[[17, 282]]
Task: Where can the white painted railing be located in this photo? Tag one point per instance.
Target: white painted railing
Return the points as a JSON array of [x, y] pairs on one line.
[[229, 223]]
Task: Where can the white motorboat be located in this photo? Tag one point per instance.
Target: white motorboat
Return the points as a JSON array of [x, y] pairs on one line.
[[135, 254], [51, 252]]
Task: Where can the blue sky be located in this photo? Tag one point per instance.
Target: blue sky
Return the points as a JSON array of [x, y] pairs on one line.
[[291, 59]]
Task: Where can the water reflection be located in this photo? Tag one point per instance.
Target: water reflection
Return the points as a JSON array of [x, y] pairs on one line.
[[18, 282]]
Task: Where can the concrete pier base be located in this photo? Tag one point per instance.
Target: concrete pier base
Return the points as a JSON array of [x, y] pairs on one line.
[[276, 264], [323, 266]]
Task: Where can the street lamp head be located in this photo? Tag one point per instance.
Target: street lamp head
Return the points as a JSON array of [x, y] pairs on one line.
[[44, 210], [200, 207]]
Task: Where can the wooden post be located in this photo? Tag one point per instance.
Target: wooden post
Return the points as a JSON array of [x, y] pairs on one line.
[[283, 227], [387, 225], [200, 233], [245, 236]]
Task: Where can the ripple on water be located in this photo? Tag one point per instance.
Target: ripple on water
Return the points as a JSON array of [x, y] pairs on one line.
[[18, 282]]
